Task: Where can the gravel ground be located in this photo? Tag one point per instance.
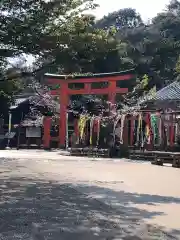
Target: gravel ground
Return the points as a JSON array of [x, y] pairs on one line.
[[60, 210]]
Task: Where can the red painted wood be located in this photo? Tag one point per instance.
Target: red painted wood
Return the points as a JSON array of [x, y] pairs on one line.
[[148, 122], [87, 89], [54, 92], [162, 132], [47, 134], [96, 91], [112, 90], [63, 111], [171, 132]]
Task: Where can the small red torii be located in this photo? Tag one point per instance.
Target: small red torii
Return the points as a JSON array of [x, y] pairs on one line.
[[64, 91]]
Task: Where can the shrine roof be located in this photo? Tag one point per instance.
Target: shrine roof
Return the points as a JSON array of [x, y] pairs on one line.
[[170, 92], [17, 102], [93, 75]]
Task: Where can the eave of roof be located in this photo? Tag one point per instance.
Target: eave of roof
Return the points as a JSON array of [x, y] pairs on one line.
[[99, 75], [168, 93], [17, 102]]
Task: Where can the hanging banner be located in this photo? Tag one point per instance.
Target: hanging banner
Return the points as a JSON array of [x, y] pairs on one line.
[[9, 125], [82, 124]]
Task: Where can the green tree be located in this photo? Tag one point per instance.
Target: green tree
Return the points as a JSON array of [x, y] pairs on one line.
[[124, 18], [152, 48], [26, 28], [156, 47], [58, 32], [80, 47], [24, 24], [10, 84]]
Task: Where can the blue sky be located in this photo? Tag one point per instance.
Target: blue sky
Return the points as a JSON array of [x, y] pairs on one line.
[[147, 9]]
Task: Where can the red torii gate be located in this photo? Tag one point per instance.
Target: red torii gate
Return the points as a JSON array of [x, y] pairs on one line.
[[63, 90]]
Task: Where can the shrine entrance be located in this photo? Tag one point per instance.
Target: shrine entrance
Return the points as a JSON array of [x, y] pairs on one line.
[[63, 86]]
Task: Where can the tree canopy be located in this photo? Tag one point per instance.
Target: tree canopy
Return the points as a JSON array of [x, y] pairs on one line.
[[37, 28], [153, 48], [63, 38]]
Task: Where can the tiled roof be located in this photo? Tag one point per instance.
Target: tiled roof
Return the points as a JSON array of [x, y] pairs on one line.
[[17, 102], [170, 92]]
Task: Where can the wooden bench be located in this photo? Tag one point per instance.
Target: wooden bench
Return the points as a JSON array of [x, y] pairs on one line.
[[90, 152], [141, 155], [167, 157], [157, 157], [76, 151]]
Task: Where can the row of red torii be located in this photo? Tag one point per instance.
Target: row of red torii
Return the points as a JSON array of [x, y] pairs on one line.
[[64, 92]]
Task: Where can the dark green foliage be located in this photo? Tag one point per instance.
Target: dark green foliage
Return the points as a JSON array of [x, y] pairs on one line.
[[64, 40], [154, 48]]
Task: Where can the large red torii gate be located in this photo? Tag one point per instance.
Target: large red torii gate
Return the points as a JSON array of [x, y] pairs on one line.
[[63, 90]]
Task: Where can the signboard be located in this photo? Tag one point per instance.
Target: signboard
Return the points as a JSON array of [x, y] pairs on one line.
[[33, 132]]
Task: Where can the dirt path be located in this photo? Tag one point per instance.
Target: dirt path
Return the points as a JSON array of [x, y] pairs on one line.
[[49, 189]]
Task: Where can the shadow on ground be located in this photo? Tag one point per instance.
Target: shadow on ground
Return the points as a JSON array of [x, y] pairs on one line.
[[123, 202], [64, 213]]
